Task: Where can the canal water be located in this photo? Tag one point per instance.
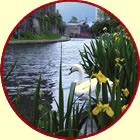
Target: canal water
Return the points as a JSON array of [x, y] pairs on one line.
[[33, 60]]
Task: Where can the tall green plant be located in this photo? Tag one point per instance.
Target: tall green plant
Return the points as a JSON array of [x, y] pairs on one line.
[[36, 104], [101, 55], [10, 71], [116, 58], [42, 20], [61, 98], [58, 122]]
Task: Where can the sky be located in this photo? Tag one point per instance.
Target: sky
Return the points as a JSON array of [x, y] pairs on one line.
[[79, 10]]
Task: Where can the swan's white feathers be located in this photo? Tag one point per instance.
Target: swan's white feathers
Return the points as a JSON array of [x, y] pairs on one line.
[[82, 88], [85, 85]]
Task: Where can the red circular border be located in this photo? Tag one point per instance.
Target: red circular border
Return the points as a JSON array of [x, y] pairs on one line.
[[2, 79]]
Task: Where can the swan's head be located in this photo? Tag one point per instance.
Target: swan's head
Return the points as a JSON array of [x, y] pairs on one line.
[[74, 68]]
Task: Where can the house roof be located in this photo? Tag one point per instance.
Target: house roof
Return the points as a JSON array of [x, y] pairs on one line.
[[72, 24]]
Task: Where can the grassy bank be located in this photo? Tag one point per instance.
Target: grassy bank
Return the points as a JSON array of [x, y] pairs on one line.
[[31, 36]]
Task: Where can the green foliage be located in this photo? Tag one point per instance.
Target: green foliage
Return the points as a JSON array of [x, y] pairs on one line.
[[101, 55], [36, 105], [61, 99], [60, 22], [104, 20], [97, 27], [73, 19], [31, 36], [42, 20], [10, 71], [58, 122], [102, 15], [56, 20]]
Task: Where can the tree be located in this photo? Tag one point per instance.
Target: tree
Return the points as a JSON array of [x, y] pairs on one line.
[[73, 19], [56, 20], [102, 15], [60, 22], [111, 24]]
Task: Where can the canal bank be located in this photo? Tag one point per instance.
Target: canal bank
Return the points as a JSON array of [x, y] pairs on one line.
[[26, 42]]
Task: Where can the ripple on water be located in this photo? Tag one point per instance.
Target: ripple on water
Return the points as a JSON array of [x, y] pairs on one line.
[[33, 60]]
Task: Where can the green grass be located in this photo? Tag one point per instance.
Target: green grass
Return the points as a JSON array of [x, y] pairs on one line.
[[31, 36]]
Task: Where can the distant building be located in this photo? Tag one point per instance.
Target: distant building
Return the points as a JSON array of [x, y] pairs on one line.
[[72, 29], [79, 29]]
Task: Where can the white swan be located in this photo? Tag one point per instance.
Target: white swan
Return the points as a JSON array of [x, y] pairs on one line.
[[83, 87]]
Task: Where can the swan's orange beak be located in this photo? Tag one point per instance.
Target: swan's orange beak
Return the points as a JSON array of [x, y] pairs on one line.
[[70, 71]]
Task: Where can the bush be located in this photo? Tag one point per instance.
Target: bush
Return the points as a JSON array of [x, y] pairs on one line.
[[27, 35], [43, 36], [112, 26]]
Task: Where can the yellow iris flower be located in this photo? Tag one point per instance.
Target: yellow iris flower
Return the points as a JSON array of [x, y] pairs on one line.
[[118, 60], [124, 107], [105, 29], [125, 92], [118, 64], [108, 110], [117, 82], [114, 34], [103, 108], [116, 38], [97, 109], [126, 37], [101, 78]]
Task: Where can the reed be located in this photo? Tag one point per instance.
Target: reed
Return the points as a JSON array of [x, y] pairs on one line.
[[114, 55], [60, 123]]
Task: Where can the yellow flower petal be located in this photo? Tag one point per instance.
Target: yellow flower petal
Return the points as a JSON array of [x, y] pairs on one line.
[[104, 108], [105, 29], [126, 37], [122, 59], [101, 77], [93, 74], [117, 82], [124, 107], [97, 109], [125, 92], [108, 110], [114, 34], [118, 64], [117, 59], [116, 38]]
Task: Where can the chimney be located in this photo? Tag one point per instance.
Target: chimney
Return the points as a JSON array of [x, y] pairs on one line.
[[86, 20]]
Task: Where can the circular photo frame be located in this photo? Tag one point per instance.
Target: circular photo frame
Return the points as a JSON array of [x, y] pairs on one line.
[[43, 55]]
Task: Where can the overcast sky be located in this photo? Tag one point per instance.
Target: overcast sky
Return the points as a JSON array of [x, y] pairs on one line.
[[79, 10]]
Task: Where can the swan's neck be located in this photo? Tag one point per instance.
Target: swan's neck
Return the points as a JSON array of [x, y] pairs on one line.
[[81, 76]]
